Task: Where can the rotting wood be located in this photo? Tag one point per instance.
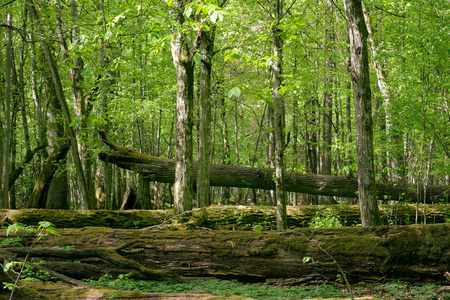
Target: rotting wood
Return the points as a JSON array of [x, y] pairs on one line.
[[416, 253], [163, 170], [223, 217]]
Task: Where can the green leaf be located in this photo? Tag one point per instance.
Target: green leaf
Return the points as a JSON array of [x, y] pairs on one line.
[[258, 228], [199, 8], [306, 259], [214, 16], [236, 92], [282, 90], [188, 11], [197, 58]]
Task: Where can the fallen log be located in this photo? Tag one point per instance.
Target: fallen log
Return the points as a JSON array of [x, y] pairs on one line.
[[415, 253], [226, 217], [163, 170]]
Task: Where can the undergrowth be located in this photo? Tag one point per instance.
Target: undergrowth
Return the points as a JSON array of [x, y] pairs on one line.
[[388, 291]]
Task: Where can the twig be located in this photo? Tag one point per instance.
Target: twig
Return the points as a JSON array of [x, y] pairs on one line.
[[349, 288]]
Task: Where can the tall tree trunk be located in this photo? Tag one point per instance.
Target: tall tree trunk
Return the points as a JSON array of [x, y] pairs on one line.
[[226, 193], [279, 118], [61, 98], [204, 142], [56, 191], [22, 85], [182, 58], [367, 190], [394, 140], [6, 141], [311, 142], [327, 118], [104, 88], [37, 102]]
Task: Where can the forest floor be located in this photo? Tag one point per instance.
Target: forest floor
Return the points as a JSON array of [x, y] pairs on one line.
[[318, 290]]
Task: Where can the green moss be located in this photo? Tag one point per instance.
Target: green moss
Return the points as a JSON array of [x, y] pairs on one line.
[[267, 251]]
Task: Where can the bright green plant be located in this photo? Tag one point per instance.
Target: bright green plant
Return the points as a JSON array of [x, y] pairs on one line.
[[23, 233], [325, 219]]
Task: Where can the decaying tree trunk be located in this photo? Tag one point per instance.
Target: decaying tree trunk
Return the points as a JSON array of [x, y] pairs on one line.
[[223, 217], [38, 196], [416, 253], [163, 170]]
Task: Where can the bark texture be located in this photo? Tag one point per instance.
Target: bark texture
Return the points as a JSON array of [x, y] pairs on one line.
[[367, 190], [204, 140], [182, 58], [411, 253], [45, 177], [163, 170], [279, 117]]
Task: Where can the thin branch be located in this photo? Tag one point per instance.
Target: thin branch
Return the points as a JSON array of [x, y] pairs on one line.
[[7, 3], [390, 13]]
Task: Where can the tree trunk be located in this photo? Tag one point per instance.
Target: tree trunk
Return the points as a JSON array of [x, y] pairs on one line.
[[414, 253], [394, 139], [56, 192], [45, 177], [143, 197], [204, 141], [6, 142], [163, 170], [107, 170], [19, 168], [26, 133], [279, 118], [327, 118], [182, 58], [367, 190], [61, 98], [226, 152], [37, 101]]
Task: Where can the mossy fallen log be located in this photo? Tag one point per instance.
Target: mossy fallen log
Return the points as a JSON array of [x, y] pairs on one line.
[[226, 217], [57, 291], [415, 253], [163, 170]]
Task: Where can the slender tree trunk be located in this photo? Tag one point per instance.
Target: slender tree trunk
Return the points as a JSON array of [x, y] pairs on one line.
[[37, 102], [311, 142], [270, 155], [327, 118], [182, 58], [204, 153], [6, 141], [226, 193], [394, 140], [56, 190], [367, 190], [107, 170], [67, 118], [22, 86], [279, 118]]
